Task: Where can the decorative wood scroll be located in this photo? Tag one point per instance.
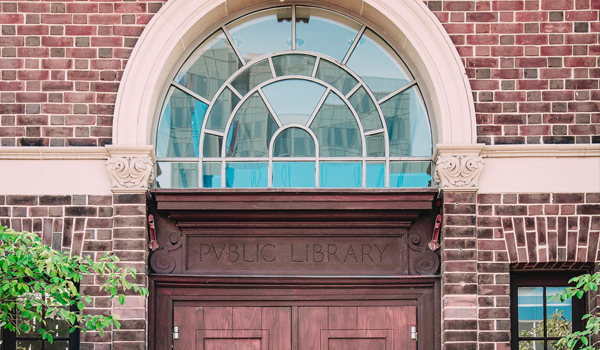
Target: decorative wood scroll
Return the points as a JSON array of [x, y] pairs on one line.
[[314, 233]]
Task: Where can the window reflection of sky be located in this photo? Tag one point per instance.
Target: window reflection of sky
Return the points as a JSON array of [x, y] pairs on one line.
[[294, 100], [531, 303]]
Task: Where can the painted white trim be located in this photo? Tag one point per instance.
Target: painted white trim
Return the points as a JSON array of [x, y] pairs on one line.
[[53, 153], [409, 23]]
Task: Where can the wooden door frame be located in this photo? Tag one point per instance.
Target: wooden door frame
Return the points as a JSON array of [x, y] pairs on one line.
[[167, 290]]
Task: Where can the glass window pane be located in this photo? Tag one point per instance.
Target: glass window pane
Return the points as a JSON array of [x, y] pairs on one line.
[[336, 77], [293, 174], [378, 65], [293, 65], [212, 145], [262, 32], [209, 66], [57, 345], [176, 175], [251, 130], [179, 128], [340, 174], [408, 125], [294, 142], [251, 77], [221, 110], [211, 175], [366, 110], [247, 175], [294, 100], [531, 311], [336, 129], [410, 174], [311, 23], [375, 145], [29, 345], [375, 174], [558, 314]]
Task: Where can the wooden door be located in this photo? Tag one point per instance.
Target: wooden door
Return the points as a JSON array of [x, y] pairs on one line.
[[316, 328]]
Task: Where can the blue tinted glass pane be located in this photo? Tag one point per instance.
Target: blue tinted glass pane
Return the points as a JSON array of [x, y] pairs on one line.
[[293, 174], [408, 125], [294, 100], [293, 65], [262, 32], [340, 174], [209, 66], [375, 145], [212, 145], [251, 130], [375, 174], [179, 128], [336, 129], [211, 175], [335, 76], [221, 110], [531, 311], [366, 110], [558, 314], [311, 23], [251, 77], [294, 142], [176, 175], [410, 174], [247, 175], [378, 65]]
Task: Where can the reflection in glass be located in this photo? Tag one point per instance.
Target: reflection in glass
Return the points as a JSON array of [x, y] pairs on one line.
[[312, 23], [247, 175], [212, 145], [336, 129], [251, 129], [209, 66], [179, 128], [558, 314], [262, 32], [293, 65], [57, 345], [294, 142], [211, 175], [294, 100], [252, 76], [340, 174], [375, 145], [410, 174], [293, 174], [176, 175], [221, 110], [29, 344], [408, 125], [375, 174], [378, 65], [336, 77], [531, 311], [366, 110]]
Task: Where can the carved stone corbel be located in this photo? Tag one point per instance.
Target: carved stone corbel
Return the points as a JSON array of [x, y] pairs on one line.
[[130, 168], [458, 169]]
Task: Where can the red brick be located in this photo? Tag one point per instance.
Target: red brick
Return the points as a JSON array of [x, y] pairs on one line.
[[80, 30], [482, 17], [11, 63], [556, 50], [33, 75], [128, 30], [105, 64], [504, 96], [31, 97], [558, 95], [459, 5], [532, 39], [33, 30], [11, 41], [482, 62], [34, 7], [56, 108], [489, 130], [105, 19], [6, 18], [581, 16], [82, 7], [531, 16], [456, 28], [584, 129], [507, 5], [580, 61], [483, 39], [531, 62], [558, 4], [556, 27], [57, 41], [507, 73], [80, 120], [79, 97], [56, 18], [531, 84], [507, 28], [582, 4], [484, 84], [555, 73], [12, 85], [581, 84], [32, 120], [81, 53], [558, 118], [57, 63], [507, 51], [510, 119], [82, 75], [534, 107], [130, 8], [107, 41], [488, 107], [535, 130], [143, 18], [57, 131], [584, 106]]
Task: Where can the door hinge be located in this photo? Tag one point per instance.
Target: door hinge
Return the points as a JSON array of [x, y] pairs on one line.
[[175, 332], [413, 333]]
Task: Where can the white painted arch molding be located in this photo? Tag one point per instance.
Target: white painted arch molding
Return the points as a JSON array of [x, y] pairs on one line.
[[412, 27]]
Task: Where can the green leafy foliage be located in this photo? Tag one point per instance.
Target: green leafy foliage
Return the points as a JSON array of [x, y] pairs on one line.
[[38, 285], [583, 284], [556, 325]]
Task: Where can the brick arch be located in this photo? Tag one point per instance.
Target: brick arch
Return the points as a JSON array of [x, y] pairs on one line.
[[413, 28]]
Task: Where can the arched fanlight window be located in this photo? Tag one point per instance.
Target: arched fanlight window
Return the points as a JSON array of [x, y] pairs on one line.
[[296, 97]]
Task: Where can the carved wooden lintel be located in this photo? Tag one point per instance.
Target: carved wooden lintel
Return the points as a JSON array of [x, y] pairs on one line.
[[130, 168]]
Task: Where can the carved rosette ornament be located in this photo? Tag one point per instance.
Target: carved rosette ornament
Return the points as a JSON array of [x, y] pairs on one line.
[[458, 172], [130, 170]]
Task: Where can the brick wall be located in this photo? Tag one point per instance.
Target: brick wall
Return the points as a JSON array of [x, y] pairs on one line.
[[90, 225], [533, 67]]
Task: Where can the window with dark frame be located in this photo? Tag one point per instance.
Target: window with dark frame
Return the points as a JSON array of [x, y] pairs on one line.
[[537, 322]]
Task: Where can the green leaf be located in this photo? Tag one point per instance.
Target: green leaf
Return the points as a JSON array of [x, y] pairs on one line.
[[121, 299]]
